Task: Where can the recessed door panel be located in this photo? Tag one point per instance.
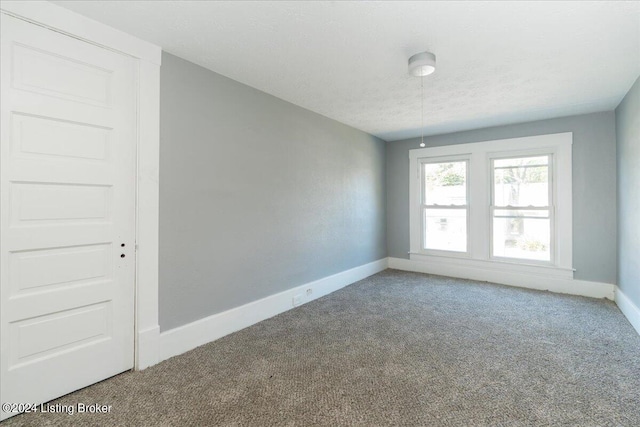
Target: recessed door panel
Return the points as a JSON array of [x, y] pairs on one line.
[[50, 335], [49, 73], [37, 203], [45, 269], [58, 139]]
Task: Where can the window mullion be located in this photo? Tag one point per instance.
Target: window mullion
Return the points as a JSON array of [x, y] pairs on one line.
[[522, 208], [478, 202], [445, 206]]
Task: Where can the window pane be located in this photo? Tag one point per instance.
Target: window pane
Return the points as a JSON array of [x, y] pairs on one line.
[[522, 181], [445, 229], [445, 183], [524, 237]]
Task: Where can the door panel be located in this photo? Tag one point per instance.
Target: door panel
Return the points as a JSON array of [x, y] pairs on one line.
[[34, 136], [67, 213], [48, 269]]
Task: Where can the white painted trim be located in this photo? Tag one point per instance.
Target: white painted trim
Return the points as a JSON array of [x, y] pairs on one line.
[[544, 282], [629, 309], [147, 347], [493, 265], [184, 338], [75, 25], [148, 209], [148, 57]]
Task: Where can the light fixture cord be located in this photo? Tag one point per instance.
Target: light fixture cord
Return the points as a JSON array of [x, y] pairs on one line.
[[422, 111]]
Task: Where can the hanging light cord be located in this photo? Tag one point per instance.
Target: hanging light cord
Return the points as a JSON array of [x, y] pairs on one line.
[[422, 111]]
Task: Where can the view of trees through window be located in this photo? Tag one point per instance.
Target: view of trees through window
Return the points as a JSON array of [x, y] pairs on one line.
[[521, 208], [445, 206]]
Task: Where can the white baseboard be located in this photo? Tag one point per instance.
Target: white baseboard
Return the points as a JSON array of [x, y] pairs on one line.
[[184, 338], [629, 309], [531, 281], [147, 348]]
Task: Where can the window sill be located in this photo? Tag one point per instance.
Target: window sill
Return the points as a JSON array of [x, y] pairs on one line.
[[493, 265]]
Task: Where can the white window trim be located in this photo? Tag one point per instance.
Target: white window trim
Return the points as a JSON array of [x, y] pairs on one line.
[[479, 188], [148, 58]]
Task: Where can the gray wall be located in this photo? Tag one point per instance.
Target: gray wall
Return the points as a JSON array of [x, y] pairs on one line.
[[257, 195], [628, 135], [594, 181]]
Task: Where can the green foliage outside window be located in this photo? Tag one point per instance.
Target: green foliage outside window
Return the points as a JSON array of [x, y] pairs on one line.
[[448, 174]]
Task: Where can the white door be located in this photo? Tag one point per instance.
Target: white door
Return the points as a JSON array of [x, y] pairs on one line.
[[67, 213]]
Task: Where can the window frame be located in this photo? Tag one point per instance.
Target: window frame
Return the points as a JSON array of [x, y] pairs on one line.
[[550, 205], [480, 200], [424, 206]]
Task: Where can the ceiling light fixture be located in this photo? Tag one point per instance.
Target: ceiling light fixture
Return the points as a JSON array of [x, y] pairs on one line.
[[420, 65]]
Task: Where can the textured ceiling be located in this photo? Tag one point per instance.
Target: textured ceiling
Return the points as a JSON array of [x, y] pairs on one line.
[[497, 62]]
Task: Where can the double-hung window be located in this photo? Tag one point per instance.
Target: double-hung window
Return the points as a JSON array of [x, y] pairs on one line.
[[444, 205], [522, 210], [503, 204]]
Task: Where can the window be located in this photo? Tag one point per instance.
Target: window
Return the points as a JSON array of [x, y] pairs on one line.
[[444, 206], [521, 211], [502, 204]]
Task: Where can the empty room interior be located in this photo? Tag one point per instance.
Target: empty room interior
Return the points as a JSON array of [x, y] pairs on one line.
[[389, 213]]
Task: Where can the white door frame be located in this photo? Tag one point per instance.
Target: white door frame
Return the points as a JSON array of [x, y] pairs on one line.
[[148, 57]]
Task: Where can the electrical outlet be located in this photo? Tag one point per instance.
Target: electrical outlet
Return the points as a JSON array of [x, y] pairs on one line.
[[297, 299]]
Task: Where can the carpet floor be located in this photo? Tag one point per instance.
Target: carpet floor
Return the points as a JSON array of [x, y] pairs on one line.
[[395, 349]]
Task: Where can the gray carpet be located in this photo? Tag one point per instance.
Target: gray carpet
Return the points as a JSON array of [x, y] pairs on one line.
[[394, 349]]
